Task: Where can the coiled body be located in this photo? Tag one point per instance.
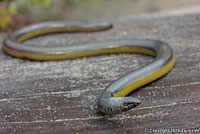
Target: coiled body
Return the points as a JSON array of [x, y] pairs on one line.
[[113, 99]]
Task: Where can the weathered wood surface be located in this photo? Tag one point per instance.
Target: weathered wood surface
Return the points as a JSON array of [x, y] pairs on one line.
[[59, 96]]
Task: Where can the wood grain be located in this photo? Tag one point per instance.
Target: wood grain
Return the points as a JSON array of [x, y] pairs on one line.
[[60, 96]]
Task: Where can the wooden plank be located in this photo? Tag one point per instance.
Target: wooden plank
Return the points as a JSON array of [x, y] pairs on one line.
[[60, 96]]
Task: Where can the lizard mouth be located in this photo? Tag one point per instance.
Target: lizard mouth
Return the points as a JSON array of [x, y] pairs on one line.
[[130, 103]]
